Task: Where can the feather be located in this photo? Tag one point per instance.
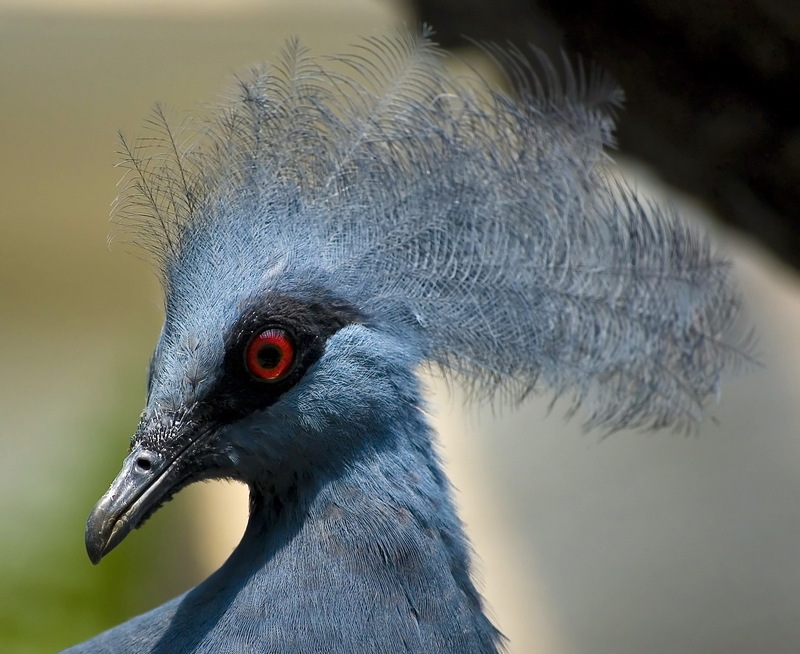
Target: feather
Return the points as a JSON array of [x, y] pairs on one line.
[[489, 232]]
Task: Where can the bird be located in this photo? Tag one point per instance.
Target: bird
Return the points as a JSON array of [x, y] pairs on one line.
[[331, 231]]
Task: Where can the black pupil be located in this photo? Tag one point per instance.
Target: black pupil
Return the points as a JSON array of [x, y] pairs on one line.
[[269, 356]]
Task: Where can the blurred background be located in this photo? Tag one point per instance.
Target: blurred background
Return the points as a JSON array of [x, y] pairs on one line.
[[631, 544]]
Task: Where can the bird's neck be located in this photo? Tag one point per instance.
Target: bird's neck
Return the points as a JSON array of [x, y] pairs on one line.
[[389, 494], [375, 541]]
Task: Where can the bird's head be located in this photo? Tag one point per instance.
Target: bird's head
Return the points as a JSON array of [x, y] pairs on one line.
[[258, 387], [327, 231]]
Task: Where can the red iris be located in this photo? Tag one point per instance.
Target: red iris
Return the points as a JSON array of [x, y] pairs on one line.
[[270, 355]]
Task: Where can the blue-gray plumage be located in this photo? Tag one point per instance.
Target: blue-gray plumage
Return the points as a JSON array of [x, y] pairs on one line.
[[335, 227]]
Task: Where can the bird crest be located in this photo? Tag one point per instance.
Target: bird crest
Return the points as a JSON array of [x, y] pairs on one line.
[[486, 230]]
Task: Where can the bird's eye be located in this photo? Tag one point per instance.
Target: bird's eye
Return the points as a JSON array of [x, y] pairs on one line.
[[270, 355]]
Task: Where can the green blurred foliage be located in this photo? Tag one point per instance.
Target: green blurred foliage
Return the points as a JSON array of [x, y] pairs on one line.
[[58, 597]]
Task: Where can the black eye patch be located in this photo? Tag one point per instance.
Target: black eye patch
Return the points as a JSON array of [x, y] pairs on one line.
[[309, 325]]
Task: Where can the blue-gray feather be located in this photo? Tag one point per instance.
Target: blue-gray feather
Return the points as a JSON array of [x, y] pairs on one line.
[[487, 230]]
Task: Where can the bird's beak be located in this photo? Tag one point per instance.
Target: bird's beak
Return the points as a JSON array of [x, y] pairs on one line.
[[146, 478]]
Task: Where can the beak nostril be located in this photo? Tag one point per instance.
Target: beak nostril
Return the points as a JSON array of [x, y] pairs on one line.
[[143, 463]]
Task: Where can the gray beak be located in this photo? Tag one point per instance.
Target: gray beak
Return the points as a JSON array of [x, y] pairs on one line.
[[146, 477]]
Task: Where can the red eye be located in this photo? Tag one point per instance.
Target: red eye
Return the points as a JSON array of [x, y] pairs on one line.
[[270, 355]]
